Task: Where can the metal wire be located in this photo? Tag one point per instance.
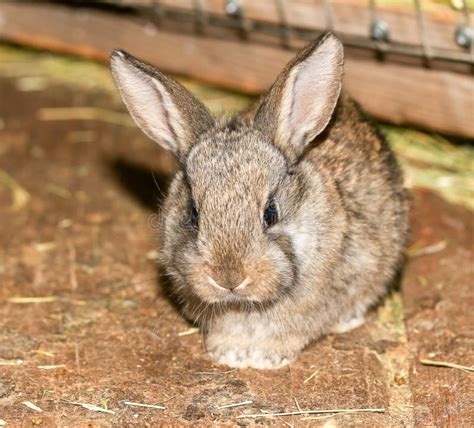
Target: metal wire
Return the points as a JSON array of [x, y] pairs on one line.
[[285, 26], [235, 9], [379, 31], [329, 12], [420, 19], [158, 12], [373, 10], [470, 29], [239, 22], [201, 16]]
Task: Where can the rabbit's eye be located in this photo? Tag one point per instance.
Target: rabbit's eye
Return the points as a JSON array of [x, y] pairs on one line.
[[270, 215], [194, 217]]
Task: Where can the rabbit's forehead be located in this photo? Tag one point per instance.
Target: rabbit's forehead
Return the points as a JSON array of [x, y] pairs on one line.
[[245, 165]]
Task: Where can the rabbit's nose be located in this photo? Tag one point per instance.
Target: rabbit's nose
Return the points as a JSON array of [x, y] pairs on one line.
[[230, 281], [222, 285]]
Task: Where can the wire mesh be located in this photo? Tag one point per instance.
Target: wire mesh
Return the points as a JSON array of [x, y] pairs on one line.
[[381, 36]]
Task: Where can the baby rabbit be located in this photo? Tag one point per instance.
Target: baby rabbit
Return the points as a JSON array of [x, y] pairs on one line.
[[281, 227]]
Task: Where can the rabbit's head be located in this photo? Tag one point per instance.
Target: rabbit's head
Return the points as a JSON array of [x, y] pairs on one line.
[[241, 218]]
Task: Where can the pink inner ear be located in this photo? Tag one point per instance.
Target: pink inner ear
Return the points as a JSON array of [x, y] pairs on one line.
[[149, 103], [311, 94]]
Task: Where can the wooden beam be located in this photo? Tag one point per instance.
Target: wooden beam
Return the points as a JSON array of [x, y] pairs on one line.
[[438, 100], [352, 17]]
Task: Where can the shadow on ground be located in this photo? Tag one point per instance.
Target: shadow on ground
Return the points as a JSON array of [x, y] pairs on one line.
[[149, 188]]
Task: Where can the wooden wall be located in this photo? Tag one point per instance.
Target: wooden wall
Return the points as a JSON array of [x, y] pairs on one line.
[[397, 92]]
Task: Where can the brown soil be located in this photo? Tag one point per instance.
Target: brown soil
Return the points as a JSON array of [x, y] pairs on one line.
[[83, 236]]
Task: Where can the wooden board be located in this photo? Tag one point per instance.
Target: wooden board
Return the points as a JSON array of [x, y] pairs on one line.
[[348, 17], [352, 18], [438, 100]]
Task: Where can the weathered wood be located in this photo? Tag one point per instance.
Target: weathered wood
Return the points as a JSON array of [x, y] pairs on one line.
[[439, 100], [348, 17]]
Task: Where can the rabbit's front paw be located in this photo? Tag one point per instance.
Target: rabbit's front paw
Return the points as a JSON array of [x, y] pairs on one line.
[[252, 358], [347, 325]]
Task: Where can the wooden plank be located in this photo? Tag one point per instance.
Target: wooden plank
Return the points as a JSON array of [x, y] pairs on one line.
[[351, 18], [438, 100]]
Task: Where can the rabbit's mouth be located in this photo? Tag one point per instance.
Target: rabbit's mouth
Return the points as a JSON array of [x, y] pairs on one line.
[[232, 301], [230, 293], [233, 290], [262, 278], [246, 293]]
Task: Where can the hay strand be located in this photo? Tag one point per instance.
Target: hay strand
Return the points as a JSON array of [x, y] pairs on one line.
[[447, 364], [311, 412], [32, 406], [11, 362], [52, 367], [45, 353], [189, 332], [429, 249], [150, 406], [311, 376], [20, 197], [91, 407], [28, 300], [228, 406]]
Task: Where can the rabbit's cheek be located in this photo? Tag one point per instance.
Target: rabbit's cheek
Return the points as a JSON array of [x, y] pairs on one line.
[[271, 275], [199, 278]]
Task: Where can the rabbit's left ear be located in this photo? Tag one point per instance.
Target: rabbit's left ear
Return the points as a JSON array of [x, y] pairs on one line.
[[302, 100], [164, 110]]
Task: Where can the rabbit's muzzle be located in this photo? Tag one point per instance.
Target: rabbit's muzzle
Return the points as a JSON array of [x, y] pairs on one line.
[[252, 279]]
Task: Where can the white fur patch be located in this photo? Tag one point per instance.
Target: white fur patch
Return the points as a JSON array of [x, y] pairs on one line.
[[346, 326], [256, 359]]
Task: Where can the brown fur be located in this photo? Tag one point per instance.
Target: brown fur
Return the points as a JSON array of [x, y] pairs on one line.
[[342, 210]]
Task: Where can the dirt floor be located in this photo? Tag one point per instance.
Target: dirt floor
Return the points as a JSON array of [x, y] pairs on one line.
[[83, 320]]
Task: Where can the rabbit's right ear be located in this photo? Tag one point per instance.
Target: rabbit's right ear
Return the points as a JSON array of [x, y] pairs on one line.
[[164, 110], [302, 100]]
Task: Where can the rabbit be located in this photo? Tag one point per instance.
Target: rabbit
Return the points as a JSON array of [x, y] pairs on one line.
[[281, 225]]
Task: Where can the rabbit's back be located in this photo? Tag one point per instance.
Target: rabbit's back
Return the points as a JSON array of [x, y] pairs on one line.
[[360, 162], [357, 159]]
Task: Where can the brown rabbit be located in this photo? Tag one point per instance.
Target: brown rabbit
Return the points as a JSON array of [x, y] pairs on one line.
[[278, 228]]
